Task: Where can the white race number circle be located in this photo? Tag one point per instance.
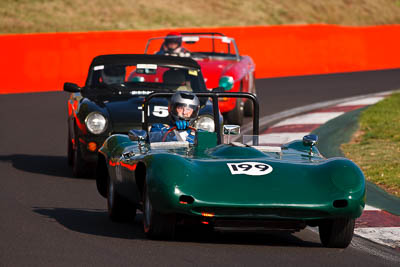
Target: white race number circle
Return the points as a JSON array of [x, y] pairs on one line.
[[250, 168]]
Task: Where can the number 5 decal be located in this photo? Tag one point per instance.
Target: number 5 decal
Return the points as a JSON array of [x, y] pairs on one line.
[[158, 111], [249, 168]]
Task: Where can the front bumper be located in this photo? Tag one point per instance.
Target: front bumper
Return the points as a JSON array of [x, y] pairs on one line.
[[350, 207]]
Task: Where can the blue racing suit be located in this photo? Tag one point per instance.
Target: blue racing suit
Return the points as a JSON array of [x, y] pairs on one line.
[[158, 131]]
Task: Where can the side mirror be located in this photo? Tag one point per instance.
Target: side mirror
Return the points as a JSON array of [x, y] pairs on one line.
[[310, 140], [226, 82], [231, 129], [137, 135], [139, 79], [71, 87]]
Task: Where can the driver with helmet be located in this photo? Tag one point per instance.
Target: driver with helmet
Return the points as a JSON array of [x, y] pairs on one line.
[[172, 46], [183, 111], [113, 75]]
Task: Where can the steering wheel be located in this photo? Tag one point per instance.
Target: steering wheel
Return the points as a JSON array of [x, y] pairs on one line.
[[173, 128]]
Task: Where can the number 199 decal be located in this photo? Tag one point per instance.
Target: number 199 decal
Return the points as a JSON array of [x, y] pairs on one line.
[[249, 168]]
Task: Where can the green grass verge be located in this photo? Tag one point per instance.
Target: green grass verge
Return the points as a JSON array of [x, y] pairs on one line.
[[31, 16], [375, 147]]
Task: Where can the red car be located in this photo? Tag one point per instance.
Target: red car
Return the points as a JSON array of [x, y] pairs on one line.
[[220, 62]]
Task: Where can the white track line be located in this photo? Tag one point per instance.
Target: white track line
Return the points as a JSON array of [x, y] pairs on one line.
[[388, 236], [364, 101], [368, 207], [280, 138], [310, 118]]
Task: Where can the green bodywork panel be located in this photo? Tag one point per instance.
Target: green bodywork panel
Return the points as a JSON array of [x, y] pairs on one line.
[[300, 186]]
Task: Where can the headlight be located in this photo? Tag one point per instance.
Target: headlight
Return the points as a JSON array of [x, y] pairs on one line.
[[96, 123], [205, 123]]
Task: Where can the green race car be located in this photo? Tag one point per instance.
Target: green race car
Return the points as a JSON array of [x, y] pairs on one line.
[[226, 184]]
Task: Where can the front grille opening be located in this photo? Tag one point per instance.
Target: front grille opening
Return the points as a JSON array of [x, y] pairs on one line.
[[184, 199], [340, 203]]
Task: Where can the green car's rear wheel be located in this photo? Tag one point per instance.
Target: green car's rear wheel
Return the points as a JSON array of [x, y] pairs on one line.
[[119, 209], [156, 225], [336, 233]]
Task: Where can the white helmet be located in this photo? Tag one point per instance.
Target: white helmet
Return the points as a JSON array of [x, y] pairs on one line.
[[184, 106]]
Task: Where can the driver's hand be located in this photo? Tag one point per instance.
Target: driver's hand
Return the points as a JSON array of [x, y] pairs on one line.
[[182, 125]]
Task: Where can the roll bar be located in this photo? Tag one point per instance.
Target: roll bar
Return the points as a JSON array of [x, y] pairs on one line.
[[214, 96], [203, 33]]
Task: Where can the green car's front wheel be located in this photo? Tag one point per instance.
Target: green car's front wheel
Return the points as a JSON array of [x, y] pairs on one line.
[[119, 209], [156, 225], [336, 233]]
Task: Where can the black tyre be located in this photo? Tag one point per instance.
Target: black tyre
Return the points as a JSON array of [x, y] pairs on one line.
[[156, 225], [70, 150], [101, 175], [235, 116], [248, 108], [336, 233], [119, 209], [248, 105], [78, 163]]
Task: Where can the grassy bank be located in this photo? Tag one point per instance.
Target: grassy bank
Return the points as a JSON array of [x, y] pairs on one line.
[[375, 147], [28, 16]]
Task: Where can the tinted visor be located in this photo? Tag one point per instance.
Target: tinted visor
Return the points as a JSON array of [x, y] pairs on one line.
[[173, 39]]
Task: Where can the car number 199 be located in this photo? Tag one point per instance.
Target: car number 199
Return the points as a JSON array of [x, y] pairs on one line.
[[249, 168]]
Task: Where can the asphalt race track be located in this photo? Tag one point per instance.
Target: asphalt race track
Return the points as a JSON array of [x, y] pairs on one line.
[[49, 218]]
